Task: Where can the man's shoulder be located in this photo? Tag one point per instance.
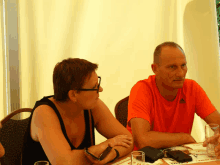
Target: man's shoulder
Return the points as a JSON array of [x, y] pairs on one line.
[[144, 86], [189, 83], [149, 81], [190, 86]]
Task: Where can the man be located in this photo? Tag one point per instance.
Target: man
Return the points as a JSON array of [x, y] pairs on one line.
[[161, 108]]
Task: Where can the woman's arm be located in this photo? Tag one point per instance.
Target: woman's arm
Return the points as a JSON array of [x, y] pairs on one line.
[[53, 142], [107, 125]]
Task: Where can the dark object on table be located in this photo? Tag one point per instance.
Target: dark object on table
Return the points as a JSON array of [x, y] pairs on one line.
[[152, 154], [102, 156], [105, 153], [179, 156], [11, 137]]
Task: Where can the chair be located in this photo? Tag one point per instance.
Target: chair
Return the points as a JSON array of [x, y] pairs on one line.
[[11, 137], [121, 111]]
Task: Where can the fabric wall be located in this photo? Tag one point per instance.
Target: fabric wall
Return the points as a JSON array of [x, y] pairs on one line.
[[2, 76], [120, 36], [202, 49]]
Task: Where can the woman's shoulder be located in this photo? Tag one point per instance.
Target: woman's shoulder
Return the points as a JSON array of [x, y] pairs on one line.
[[45, 116]]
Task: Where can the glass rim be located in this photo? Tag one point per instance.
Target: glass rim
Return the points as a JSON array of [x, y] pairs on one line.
[[136, 152], [212, 125], [42, 161]]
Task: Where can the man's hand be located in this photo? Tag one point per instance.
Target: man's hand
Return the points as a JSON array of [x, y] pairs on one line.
[[216, 141], [189, 139]]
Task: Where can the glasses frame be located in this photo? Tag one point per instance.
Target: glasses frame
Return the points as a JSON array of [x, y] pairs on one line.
[[92, 89]]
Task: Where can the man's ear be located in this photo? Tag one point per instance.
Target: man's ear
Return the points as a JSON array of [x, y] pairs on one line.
[[154, 68], [72, 95]]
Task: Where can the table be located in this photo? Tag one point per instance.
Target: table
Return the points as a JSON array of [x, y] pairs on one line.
[[193, 147], [164, 163]]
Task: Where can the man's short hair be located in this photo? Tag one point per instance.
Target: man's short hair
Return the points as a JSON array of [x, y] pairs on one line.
[[70, 74], [158, 49]]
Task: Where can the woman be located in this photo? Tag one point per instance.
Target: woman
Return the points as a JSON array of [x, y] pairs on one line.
[[61, 125]]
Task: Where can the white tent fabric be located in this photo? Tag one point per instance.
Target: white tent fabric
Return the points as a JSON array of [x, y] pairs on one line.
[[118, 35]]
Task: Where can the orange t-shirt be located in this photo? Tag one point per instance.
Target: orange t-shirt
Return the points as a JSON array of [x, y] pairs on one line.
[[145, 101]]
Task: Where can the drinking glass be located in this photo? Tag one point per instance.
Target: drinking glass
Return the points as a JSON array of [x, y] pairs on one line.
[[137, 158], [43, 162], [211, 130]]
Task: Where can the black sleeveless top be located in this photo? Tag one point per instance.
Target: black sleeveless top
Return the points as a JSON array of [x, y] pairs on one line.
[[33, 151]]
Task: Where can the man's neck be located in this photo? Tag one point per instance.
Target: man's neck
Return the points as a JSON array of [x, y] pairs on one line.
[[168, 93]]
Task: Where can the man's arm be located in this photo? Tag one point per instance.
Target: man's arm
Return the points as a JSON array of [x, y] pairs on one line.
[[214, 117], [144, 137]]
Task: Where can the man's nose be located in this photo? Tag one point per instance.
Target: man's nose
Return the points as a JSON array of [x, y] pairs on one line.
[[180, 72]]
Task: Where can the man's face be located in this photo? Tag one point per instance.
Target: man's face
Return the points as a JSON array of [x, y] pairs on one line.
[[172, 68]]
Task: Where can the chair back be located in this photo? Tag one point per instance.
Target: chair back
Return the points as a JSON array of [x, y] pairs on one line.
[[121, 111], [12, 137]]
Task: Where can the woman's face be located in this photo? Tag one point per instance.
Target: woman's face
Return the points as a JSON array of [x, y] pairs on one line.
[[88, 99]]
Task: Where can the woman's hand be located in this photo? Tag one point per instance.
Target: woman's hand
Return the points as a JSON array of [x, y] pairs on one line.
[[108, 158], [120, 140]]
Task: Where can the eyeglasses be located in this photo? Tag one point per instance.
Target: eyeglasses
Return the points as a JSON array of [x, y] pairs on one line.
[[99, 82]]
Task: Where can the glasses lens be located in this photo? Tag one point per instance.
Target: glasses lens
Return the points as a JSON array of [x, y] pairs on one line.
[[99, 84]]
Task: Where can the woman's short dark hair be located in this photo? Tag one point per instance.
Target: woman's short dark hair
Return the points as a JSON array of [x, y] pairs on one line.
[[158, 49], [70, 74]]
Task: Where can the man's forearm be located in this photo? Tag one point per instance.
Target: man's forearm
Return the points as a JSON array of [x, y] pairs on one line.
[[163, 139]]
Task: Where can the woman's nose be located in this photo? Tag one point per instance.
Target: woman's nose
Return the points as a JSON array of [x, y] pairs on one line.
[[100, 89]]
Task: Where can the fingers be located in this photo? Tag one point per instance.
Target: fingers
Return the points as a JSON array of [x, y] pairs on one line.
[[121, 140], [213, 140], [216, 141], [123, 144], [123, 137], [217, 152]]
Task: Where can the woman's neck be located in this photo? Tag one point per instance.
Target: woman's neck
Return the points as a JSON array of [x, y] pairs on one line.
[[68, 109]]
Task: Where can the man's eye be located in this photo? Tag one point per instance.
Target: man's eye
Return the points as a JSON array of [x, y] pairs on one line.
[[172, 66]]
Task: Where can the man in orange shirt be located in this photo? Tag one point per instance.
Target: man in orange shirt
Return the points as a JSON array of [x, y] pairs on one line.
[[161, 108]]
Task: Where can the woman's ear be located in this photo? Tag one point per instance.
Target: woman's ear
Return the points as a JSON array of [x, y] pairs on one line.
[[72, 95]]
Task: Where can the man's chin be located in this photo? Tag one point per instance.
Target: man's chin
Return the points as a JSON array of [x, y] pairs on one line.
[[177, 86]]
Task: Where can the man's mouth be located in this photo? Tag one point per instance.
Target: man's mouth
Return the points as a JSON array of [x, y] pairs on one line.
[[179, 80]]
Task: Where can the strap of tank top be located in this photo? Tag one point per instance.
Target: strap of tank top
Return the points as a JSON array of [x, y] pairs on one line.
[[90, 127]]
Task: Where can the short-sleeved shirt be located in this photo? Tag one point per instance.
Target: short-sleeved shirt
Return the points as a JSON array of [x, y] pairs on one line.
[[145, 101], [33, 151]]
